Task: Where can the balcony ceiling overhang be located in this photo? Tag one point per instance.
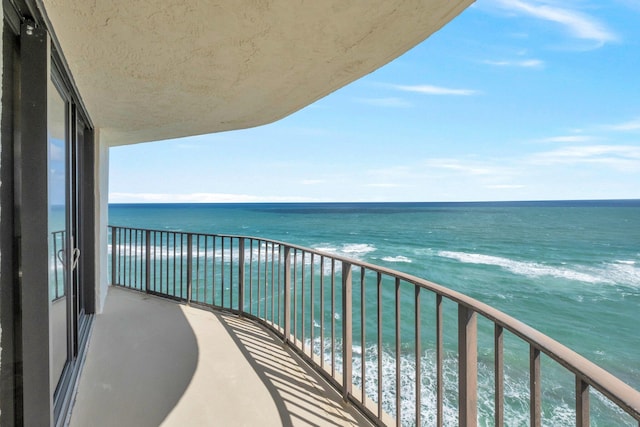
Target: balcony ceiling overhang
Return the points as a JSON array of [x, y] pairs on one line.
[[151, 70]]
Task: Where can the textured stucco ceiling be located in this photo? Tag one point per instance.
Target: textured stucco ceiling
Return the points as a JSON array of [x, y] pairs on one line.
[[150, 70]]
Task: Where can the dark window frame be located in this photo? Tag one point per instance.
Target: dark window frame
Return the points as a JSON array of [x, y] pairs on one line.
[[25, 343]]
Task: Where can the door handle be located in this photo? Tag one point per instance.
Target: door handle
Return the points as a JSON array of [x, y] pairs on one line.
[[60, 256], [75, 256]]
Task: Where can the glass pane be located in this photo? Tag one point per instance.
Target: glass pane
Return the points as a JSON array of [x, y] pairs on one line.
[[58, 233]]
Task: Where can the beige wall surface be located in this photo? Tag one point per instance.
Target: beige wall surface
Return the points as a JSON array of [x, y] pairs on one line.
[[101, 178], [148, 73]]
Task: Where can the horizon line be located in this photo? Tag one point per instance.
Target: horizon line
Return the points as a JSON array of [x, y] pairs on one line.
[[371, 202]]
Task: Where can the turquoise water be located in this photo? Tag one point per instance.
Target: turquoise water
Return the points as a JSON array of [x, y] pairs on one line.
[[569, 269]]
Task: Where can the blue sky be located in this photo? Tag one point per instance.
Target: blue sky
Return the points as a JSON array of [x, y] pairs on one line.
[[513, 100]]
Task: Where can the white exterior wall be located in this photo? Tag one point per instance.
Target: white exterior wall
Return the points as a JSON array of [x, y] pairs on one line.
[[101, 180]]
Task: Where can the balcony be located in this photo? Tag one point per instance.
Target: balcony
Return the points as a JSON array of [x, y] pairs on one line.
[[153, 361], [293, 335]]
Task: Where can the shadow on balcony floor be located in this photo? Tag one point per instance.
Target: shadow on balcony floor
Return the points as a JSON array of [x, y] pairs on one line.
[[155, 362]]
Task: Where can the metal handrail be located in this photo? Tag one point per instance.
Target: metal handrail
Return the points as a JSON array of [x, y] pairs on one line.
[[184, 273]]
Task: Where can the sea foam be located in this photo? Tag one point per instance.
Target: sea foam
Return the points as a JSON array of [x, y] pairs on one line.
[[398, 258], [558, 407], [350, 250], [525, 268], [623, 272], [358, 248]]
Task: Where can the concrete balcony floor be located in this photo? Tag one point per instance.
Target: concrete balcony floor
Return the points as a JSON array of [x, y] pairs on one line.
[[156, 362]]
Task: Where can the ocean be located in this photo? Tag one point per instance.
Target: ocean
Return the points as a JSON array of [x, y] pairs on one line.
[[570, 269]]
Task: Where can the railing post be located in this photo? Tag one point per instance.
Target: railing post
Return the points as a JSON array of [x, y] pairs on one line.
[[467, 366], [418, 336], [439, 363], [499, 374], [147, 251], [241, 275], [189, 266], [379, 339], [582, 402], [535, 405], [347, 338], [55, 263], [113, 255], [287, 293], [398, 355]]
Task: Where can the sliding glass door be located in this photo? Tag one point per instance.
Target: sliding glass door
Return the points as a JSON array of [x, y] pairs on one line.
[[60, 233], [67, 311], [48, 229]]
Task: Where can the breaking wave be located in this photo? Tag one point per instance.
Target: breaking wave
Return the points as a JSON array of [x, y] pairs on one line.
[[622, 272], [558, 407], [398, 258], [350, 250]]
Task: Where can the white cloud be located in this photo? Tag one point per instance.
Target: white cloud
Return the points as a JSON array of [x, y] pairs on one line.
[[578, 24], [505, 186], [525, 63], [56, 152], [568, 138], [470, 168], [620, 157], [626, 126], [436, 90], [391, 172], [383, 185], [392, 102], [313, 181], [199, 198]]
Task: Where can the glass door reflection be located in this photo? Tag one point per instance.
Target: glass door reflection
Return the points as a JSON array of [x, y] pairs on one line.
[[59, 232]]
